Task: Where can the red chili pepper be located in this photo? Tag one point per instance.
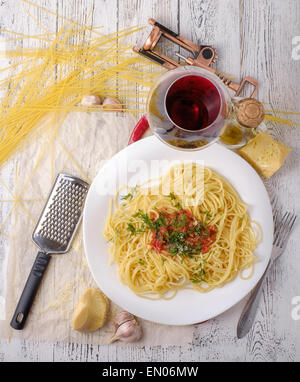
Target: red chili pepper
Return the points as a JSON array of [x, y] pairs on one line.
[[139, 130]]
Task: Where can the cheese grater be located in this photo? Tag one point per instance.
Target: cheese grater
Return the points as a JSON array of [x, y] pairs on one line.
[[53, 234]]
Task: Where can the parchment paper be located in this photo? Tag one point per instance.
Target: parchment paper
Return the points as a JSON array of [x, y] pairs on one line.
[[80, 147]]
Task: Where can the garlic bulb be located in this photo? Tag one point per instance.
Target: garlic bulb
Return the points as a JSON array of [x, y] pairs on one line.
[[91, 100], [112, 104], [127, 328], [122, 317]]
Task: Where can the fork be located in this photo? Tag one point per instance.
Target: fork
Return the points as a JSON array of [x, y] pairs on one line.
[[283, 229]]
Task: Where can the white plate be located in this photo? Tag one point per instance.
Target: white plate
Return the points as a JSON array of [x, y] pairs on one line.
[[188, 306]]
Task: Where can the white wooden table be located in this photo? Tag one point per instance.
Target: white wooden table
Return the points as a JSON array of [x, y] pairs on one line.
[[253, 37]]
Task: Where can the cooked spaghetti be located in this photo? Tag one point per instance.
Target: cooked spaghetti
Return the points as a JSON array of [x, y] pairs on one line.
[[199, 235]]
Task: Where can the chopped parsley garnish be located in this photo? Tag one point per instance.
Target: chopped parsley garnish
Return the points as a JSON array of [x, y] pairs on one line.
[[172, 196], [131, 194], [174, 199], [178, 233], [198, 277], [141, 230], [208, 214], [145, 218], [131, 228], [160, 222]]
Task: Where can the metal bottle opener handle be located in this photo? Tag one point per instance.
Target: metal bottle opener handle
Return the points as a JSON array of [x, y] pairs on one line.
[[201, 55]]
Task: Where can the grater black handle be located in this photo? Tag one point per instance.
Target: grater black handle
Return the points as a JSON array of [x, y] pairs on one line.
[[30, 290]]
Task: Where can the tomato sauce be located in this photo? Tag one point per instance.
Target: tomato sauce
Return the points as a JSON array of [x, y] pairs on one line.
[[180, 233]]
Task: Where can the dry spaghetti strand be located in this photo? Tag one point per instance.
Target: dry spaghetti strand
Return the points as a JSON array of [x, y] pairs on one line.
[[45, 83]]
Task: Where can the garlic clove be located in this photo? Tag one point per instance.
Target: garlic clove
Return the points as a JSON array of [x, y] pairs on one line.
[[112, 104], [91, 100], [129, 331], [122, 317]]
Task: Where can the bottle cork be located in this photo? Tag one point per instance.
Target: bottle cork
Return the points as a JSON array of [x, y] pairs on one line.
[[249, 112]]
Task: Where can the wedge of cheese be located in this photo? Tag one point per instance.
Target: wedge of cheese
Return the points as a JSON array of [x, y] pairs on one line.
[[91, 311], [265, 154]]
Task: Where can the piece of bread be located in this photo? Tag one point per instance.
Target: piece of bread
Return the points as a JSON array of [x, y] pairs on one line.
[[265, 154], [91, 311]]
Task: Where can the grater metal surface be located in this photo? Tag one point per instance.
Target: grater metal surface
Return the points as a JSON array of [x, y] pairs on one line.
[[53, 234], [61, 215]]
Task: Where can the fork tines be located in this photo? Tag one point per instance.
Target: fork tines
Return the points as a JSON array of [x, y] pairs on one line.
[[283, 229]]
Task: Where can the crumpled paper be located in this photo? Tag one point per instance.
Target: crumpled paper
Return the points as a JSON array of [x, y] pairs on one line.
[[80, 146]]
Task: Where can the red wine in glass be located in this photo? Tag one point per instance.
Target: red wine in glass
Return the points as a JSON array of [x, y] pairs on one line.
[[193, 102]]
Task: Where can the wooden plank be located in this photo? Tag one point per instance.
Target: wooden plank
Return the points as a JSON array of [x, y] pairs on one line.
[[214, 23], [267, 29]]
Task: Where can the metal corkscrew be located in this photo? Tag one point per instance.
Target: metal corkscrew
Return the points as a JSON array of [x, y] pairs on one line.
[[201, 55]]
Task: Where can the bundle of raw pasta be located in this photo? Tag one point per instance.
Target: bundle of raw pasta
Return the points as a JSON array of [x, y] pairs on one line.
[[45, 83]]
